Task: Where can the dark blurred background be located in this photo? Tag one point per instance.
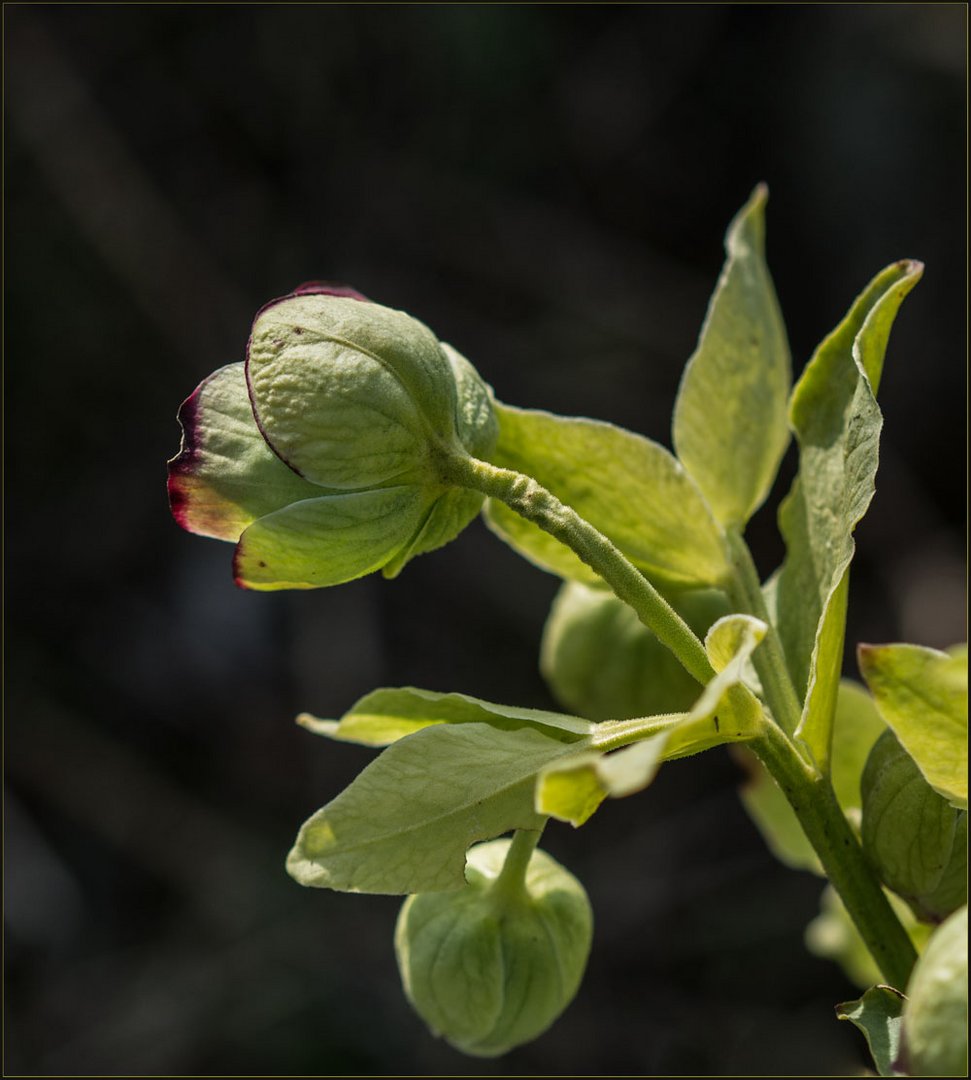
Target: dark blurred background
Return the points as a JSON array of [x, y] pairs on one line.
[[547, 187]]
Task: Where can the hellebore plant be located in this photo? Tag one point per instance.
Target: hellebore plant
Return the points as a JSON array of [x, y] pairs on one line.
[[351, 440]]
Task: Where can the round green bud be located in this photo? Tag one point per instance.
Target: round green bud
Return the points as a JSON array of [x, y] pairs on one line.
[[491, 966], [914, 838], [351, 394], [935, 1017], [322, 456]]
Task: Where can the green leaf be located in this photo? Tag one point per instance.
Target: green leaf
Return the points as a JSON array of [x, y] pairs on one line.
[[326, 541], [631, 489], [878, 1015], [601, 661], [923, 696], [730, 416], [571, 790], [857, 727], [837, 422], [405, 823], [384, 716], [225, 476], [914, 839]]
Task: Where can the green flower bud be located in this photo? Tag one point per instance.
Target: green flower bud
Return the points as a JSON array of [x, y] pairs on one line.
[[914, 838], [493, 965], [602, 662], [935, 1017], [321, 455]]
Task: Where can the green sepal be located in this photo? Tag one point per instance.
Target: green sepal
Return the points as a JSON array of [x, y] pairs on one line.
[[225, 476], [730, 415], [878, 1014], [837, 423], [330, 540], [935, 1022], [349, 393], [489, 968], [386, 715], [632, 489], [406, 821], [923, 696]]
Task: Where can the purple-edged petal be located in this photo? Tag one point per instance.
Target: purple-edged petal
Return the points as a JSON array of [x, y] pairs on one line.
[[327, 288], [329, 540], [225, 476]]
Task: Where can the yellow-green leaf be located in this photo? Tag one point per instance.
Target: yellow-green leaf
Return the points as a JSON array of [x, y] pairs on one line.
[[923, 696], [730, 416], [632, 489]]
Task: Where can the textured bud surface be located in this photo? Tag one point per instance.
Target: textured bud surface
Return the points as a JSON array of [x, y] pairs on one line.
[[936, 1012], [350, 394], [488, 969]]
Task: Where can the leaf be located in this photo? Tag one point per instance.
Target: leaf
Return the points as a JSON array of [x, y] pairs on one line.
[[631, 489], [384, 716], [405, 823], [225, 476], [601, 661], [923, 696], [856, 729], [726, 711], [914, 839], [878, 1015], [730, 416], [837, 422]]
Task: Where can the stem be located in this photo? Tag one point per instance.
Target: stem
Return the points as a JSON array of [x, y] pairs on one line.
[[536, 504], [812, 798], [808, 791], [511, 881], [745, 592]]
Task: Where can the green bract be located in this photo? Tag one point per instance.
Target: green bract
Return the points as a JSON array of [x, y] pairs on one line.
[[936, 1013], [320, 456], [493, 965]]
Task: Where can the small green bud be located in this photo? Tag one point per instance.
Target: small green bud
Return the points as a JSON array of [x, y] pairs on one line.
[[493, 965], [914, 838], [935, 1018], [322, 455]]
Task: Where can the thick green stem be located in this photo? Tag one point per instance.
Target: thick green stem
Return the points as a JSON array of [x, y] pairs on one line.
[[511, 881], [809, 792], [812, 798], [745, 592], [531, 500]]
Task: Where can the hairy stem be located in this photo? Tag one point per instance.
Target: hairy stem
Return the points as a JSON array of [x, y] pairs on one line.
[[536, 504], [745, 592], [809, 792]]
